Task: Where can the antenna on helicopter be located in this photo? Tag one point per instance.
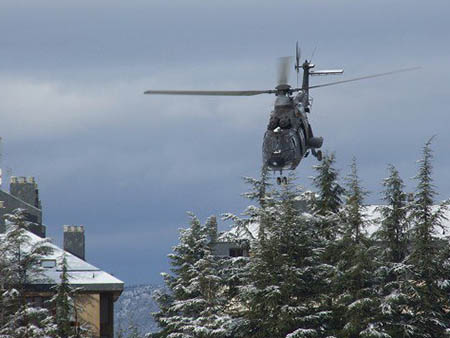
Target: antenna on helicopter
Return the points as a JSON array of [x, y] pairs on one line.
[[313, 53], [298, 53]]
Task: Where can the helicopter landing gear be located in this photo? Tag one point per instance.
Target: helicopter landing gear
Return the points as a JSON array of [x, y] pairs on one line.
[[282, 180], [317, 154]]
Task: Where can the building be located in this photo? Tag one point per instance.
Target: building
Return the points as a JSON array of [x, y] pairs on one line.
[[23, 194], [227, 244], [97, 290]]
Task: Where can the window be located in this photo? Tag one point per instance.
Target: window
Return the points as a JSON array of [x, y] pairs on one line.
[[236, 252], [2, 204], [39, 301], [48, 263]]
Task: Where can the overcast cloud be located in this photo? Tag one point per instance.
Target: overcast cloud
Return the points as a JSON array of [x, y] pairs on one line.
[[128, 166]]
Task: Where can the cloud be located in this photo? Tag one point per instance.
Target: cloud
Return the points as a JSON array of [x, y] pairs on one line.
[[128, 165]]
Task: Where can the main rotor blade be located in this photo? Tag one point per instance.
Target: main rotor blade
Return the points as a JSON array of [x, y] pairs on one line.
[[210, 92], [283, 70], [364, 77]]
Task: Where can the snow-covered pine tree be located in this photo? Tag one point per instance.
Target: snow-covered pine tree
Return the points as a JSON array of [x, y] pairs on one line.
[[326, 204], [29, 321], [236, 269], [8, 294], [353, 215], [329, 192], [254, 213], [285, 281], [356, 302], [23, 254], [428, 283], [391, 242], [195, 303], [63, 303], [66, 308], [20, 266], [394, 223], [231, 270]]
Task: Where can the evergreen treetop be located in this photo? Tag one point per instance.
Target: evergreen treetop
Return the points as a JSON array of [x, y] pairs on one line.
[[394, 220], [353, 215], [330, 192], [194, 303], [428, 282]]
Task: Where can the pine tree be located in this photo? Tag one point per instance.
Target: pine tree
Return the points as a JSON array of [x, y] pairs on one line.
[[356, 302], [282, 292], [20, 266], [353, 216], [30, 322], [255, 213], [23, 255], [194, 305], [330, 192], [391, 241], [394, 221], [427, 285], [63, 303], [66, 308], [326, 205]]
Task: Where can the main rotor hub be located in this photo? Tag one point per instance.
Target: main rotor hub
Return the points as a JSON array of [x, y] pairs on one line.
[[283, 87], [283, 90], [281, 101]]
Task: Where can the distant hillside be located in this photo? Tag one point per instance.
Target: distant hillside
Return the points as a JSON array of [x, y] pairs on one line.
[[134, 308]]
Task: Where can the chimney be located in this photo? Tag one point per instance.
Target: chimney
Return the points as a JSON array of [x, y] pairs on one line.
[[26, 190], [74, 240], [211, 225]]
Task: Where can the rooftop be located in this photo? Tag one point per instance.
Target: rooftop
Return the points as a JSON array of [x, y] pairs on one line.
[[371, 212], [81, 274]]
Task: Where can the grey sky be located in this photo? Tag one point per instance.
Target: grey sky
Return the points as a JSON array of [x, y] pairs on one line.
[[128, 166]]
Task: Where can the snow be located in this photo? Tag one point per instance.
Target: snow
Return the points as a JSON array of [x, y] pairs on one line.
[[80, 272], [372, 215], [236, 233], [302, 333]]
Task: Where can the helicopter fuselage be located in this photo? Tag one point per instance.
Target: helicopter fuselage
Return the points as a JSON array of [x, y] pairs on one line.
[[288, 136]]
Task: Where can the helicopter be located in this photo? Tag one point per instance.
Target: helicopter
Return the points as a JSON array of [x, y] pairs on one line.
[[289, 137]]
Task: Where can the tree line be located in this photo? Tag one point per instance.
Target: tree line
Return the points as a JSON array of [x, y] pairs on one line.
[[316, 272]]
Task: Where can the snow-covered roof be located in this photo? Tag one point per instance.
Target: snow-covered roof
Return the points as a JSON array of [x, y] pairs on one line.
[[371, 212], [81, 273]]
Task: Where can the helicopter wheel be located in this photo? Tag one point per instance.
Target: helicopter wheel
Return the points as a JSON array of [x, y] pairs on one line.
[[278, 180], [319, 155], [285, 180]]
